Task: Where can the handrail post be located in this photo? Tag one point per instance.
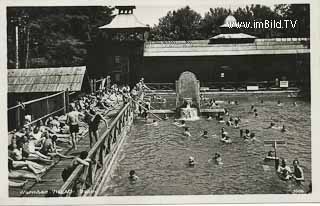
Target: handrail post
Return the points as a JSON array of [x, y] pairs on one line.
[[67, 100], [64, 102], [94, 85], [18, 116]]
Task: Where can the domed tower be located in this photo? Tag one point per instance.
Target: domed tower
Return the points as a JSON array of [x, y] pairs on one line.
[[229, 25], [118, 52], [230, 33]]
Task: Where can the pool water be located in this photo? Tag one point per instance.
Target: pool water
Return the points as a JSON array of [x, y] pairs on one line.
[[159, 154]]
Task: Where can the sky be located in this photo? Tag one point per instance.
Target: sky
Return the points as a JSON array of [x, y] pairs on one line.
[[149, 12]]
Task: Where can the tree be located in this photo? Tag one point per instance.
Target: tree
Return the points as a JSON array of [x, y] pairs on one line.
[[57, 35], [212, 21], [182, 24]]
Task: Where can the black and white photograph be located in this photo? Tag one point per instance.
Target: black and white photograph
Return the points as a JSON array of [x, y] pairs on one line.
[[183, 98]]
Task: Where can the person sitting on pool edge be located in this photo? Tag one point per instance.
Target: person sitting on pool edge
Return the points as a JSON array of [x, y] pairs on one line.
[[191, 161], [284, 170], [186, 132], [133, 176], [297, 172]]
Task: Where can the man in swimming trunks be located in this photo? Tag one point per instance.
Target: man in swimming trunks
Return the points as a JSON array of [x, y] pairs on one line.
[[73, 122]]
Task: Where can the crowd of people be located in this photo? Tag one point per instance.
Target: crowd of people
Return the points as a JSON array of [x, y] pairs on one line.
[[282, 169], [35, 147]]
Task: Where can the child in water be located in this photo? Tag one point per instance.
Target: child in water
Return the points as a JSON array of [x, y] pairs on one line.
[[182, 124], [205, 134], [191, 161], [216, 158], [236, 122], [186, 132], [133, 176], [283, 129], [154, 123]]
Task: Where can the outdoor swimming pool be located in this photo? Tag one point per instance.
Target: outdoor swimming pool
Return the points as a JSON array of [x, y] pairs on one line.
[[159, 154]]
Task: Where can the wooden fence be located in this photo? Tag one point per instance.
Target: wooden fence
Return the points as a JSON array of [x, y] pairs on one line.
[[87, 180], [228, 86], [39, 109]]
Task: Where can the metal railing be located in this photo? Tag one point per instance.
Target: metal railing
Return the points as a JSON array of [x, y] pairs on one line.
[[39, 109], [85, 179], [161, 86]]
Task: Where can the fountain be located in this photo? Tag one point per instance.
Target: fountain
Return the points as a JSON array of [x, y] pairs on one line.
[[188, 96]]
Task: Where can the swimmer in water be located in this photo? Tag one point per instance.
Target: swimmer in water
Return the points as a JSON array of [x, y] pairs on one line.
[[247, 135], [217, 159], [182, 124], [283, 129], [191, 161], [236, 102], [261, 101], [205, 134], [279, 103], [295, 104], [229, 122], [223, 131], [284, 170], [154, 123], [241, 133], [297, 172], [133, 176], [209, 117], [220, 119], [226, 139], [226, 112], [256, 114], [165, 117], [186, 132], [253, 137], [271, 156], [236, 122], [272, 125], [252, 108]]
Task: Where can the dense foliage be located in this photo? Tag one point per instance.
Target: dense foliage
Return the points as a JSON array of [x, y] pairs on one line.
[[193, 26], [53, 36], [57, 36]]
